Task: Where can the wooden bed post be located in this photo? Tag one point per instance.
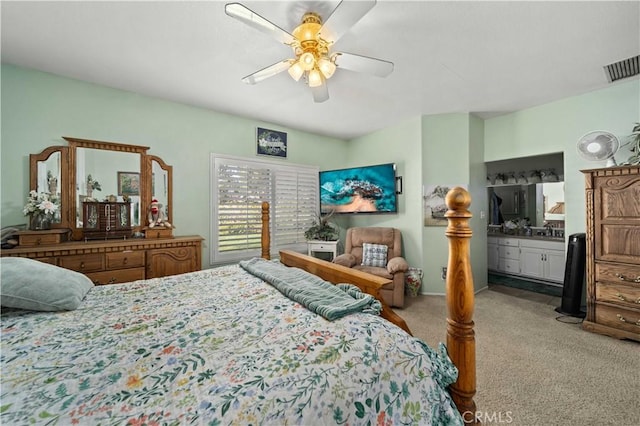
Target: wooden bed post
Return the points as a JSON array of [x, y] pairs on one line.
[[265, 241], [461, 343]]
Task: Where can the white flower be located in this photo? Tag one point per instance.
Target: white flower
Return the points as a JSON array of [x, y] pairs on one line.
[[40, 203]]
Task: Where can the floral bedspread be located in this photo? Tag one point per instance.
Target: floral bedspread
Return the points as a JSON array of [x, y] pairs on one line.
[[215, 347]]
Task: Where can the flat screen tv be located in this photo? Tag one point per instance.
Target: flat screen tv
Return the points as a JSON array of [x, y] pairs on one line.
[[368, 189]]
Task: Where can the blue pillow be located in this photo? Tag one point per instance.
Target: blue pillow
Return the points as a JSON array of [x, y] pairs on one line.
[[37, 286]]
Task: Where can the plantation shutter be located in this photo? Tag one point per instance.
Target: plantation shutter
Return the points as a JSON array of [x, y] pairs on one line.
[[296, 202], [239, 186], [241, 189]]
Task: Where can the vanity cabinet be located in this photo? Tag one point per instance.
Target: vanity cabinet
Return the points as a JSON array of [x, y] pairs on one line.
[[527, 257], [509, 255], [118, 261], [542, 259], [493, 259], [613, 251]]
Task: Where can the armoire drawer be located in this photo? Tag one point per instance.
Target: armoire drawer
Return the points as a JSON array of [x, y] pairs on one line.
[[623, 319], [125, 259], [620, 294], [618, 273], [116, 276], [83, 263]]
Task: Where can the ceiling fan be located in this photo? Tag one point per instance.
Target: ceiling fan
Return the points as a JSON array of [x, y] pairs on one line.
[[311, 42]]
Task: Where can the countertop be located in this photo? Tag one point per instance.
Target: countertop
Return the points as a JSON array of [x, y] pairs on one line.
[[525, 237]]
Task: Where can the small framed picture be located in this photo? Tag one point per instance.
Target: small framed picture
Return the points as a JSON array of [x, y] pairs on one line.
[[271, 143], [129, 183]]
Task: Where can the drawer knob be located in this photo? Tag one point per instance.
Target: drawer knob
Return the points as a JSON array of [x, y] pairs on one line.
[[623, 278], [623, 319], [624, 299], [125, 261], [81, 265]]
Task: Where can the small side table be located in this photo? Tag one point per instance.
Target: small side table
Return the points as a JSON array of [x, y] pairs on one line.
[[316, 246]]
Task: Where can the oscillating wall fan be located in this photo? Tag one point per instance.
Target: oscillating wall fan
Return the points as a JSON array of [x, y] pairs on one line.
[[311, 42], [599, 146]]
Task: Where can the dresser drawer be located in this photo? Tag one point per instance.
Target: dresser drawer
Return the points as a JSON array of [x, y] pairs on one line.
[[623, 319], [116, 276], [617, 273], [125, 259], [509, 252], [83, 263], [623, 295]]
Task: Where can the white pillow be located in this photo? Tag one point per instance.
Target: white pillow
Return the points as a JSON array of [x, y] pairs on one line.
[[374, 255], [37, 286]]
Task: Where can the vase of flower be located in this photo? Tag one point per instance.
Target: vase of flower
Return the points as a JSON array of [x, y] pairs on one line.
[[41, 208], [40, 222]]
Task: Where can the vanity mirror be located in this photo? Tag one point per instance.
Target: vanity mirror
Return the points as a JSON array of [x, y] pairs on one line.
[[104, 188], [48, 174]]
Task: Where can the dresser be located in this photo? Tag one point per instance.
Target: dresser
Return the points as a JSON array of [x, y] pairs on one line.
[[613, 251], [118, 261]]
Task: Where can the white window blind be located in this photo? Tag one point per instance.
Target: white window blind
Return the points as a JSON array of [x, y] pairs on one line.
[[239, 186]]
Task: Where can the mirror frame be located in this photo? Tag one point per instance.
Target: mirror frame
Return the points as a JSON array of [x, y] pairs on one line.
[[68, 159], [167, 168], [34, 159], [145, 174]]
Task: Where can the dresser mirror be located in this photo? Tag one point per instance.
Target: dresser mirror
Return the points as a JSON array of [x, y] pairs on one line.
[[96, 180], [48, 175], [89, 171], [161, 187]]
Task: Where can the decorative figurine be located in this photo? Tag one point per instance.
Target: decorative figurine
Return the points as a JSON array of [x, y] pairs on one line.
[[156, 215]]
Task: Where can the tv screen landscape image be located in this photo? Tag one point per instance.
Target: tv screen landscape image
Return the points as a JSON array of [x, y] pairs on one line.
[[368, 189]]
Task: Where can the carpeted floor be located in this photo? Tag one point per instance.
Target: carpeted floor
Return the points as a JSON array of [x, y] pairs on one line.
[[536, 367]]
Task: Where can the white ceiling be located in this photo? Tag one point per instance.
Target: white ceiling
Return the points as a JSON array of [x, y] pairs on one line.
[[482, 57]]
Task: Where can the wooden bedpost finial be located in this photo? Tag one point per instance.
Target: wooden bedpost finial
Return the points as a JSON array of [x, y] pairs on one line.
[[460, 299], [266, 239]]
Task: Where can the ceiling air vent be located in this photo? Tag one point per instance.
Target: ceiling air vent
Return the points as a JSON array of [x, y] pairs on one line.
[[623, 69]]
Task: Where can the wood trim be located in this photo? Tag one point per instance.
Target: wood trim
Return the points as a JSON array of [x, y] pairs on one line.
[[460, 300], [111, 146], [335, 274], [108, 246]]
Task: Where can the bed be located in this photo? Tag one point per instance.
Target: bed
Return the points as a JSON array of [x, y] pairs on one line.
[[221, 346]]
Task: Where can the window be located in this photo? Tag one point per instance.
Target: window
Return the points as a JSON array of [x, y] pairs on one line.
[[239, 186]]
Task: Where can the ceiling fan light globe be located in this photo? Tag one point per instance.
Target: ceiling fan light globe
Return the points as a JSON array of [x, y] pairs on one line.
[[327, 67], [296, 71], [307, 61], [315, 78]]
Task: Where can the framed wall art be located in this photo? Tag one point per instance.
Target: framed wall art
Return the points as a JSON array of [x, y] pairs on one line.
[[435, 205], [271, 142], [129, 183]]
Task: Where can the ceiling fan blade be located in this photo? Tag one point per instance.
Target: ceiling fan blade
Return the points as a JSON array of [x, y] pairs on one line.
[[249, 17], [320, 93], [364, 64], [267, 72], [343, 17]]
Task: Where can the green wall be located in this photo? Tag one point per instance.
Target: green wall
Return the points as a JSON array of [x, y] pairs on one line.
[[556, 127], [398, 144], [39, 108]]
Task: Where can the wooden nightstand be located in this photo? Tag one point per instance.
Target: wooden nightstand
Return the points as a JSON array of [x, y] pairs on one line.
[[316, 246]]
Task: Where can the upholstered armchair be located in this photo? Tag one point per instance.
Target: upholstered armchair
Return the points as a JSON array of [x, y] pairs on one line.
[[377, 251]]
